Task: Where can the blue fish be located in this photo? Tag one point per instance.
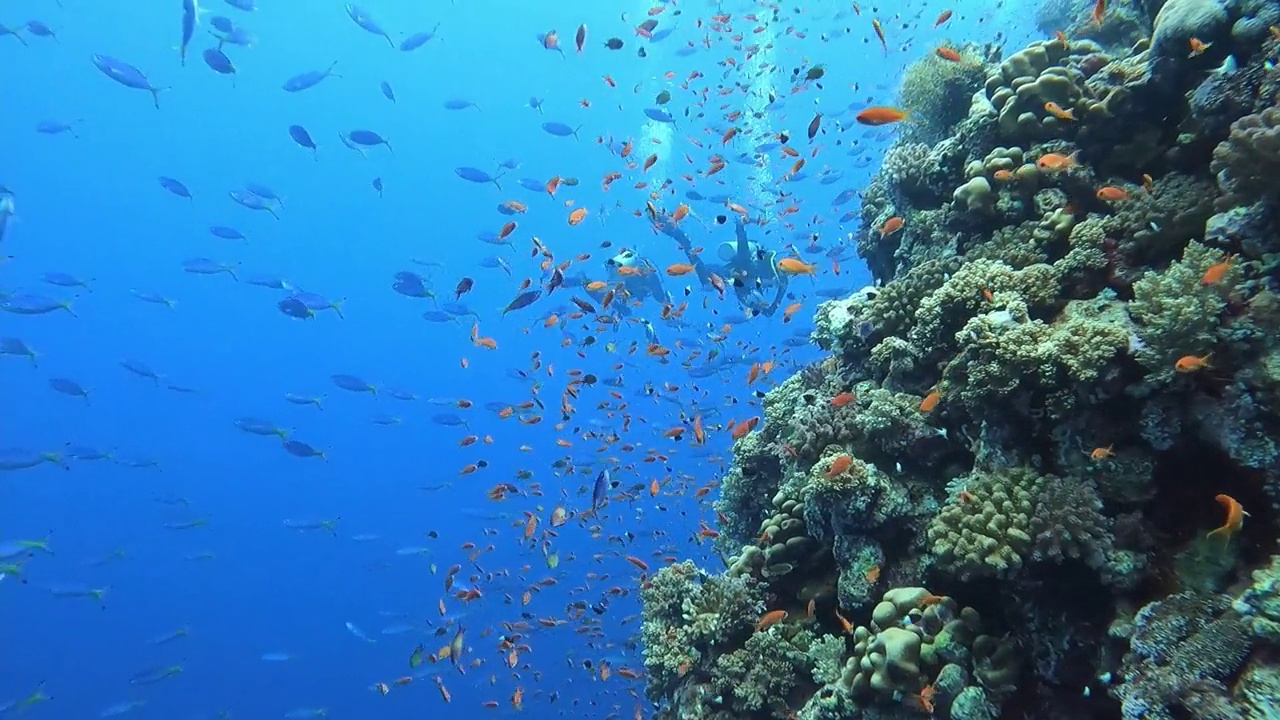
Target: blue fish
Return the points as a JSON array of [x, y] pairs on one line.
[[174, 186], [318, 302], [27, 304], [218, 61], [190, 17], [65, 280], [600, 491], [368, 138], [559, 129], [309, 79], [225, 232], [367, 23], [459, 104], [476, 175], [387, 92], [295, 308], [55, 127], [205, 266], [352, 383], [253, 202], [533, 184], [223, 24], [6, 214], [302, 138], [412, 285], [535, 102], [127, 75], [659, 114], [417, 40], [245, 5]]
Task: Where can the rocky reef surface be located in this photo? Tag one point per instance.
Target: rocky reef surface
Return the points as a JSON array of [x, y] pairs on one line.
[[1038, 474]]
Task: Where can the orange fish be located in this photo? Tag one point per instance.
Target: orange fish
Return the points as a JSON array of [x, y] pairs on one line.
[[1055, 162], [945, 16], [949, 55], [1191, 363], [577, 216], [677, 269], [873, 574], [891, 226], [1112, 194], [881, 116], [1235, 519], [1198, 47], [1217, 271], [1099, 10], [930, 401], [843, 399], [1056, 110], [772, 617], [841, 464], [1102, 453], [795, 266]]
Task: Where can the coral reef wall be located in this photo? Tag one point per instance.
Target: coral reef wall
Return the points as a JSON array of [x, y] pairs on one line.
[[1038, 475]]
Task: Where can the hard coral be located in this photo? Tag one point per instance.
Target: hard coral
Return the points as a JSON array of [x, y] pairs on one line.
[[1025, 85], [1247, 163], [690, 618]]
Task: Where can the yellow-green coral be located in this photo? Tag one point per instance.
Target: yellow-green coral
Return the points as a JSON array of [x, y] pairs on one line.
[[1024, 85], [1005, 354], [690, 616], [1174, 313], [988, 533]]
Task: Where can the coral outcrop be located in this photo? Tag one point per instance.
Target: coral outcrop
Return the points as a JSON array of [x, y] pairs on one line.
[[1066, 374]]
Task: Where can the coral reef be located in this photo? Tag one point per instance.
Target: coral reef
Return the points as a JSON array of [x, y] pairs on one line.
[[1067, 369]]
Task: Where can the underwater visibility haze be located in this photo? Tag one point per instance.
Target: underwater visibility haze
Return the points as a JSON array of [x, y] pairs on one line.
[[670, 359]]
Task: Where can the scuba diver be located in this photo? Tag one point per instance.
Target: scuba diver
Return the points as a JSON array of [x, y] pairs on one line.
[[747, 266], [638, 275]]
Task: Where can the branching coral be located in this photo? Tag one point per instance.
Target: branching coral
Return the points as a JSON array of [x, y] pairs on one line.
[[690, 617], [1175, 313], [1006, 519]]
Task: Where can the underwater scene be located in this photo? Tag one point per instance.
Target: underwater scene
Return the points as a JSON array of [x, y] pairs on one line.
[[652, 359]]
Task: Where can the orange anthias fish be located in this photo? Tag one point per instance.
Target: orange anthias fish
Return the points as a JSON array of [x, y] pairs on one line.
[[772, 617], [1234, 522], [841, 464], [881, 116], [948, 54], [1099, 10], [1217, 271], [1191, 363], [945, 16], [794, 266]]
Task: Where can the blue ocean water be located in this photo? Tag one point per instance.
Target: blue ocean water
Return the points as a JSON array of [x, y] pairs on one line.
[[212, 545]]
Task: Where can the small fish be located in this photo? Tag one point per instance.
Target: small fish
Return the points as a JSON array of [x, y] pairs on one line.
[[127, 75], [600, 490], [190, 18], [417, 40], [365, 21], [523, 300], [309, 79]]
